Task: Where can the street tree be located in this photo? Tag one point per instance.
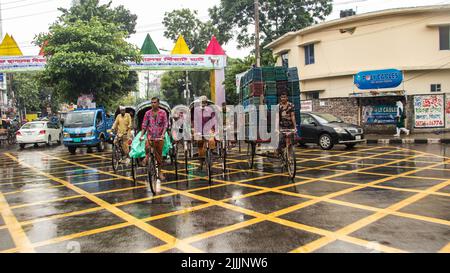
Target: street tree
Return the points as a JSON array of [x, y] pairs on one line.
[[197, 35], [31, 95], [277, 17], [87, 53]]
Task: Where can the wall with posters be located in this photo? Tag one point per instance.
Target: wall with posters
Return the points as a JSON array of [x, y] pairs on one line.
[[429, 111]]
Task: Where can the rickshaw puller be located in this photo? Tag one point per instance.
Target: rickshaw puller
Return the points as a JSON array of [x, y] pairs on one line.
[[122, 126], [155, 124]]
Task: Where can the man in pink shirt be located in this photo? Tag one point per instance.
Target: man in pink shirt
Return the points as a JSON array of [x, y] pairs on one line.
[[155, 124]]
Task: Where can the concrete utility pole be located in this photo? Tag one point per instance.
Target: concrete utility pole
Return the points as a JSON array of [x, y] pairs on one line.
[[187, 89], [257, 48]]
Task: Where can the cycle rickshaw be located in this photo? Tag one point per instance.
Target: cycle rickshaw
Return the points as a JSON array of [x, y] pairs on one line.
[[221, 143], [151, 169], [117, 151], [284, 151]]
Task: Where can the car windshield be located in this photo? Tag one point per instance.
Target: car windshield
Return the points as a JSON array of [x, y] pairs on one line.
[[80, 119], [30, 126], [327, 118]]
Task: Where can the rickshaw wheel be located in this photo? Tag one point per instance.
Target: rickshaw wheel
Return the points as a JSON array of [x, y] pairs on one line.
[[115, 158], [208, 165], [152, 175], [174, 158], [290, 161], [134, 166]]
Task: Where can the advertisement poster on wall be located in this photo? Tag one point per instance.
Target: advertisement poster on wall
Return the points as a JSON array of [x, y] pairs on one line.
[[447, 111], [380, 114], [306, 106], [429, 111]]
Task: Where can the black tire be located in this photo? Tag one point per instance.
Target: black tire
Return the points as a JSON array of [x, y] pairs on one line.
[[22, 146], [175, 159], [115, 158], [49, 141], [134, 166], [72, 150], [224, 157], [291, 163], [326, 142], [152, 175], [101, 145], [252, 150], [350, 145], [186, 166], [208, 161], [60, 140]]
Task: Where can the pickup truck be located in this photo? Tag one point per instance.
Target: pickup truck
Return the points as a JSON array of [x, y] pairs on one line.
[[87, 128]]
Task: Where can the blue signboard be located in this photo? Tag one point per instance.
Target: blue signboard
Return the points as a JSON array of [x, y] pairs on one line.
[[378, 79], [2, 79], [380, 114]]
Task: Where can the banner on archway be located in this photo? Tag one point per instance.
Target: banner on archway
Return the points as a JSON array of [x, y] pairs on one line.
[[149, 62]]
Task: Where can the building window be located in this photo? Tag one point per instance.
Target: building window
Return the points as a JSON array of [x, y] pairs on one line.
[[314, 95], [435, 88], [444, 38], [285, 60], [309, 54]]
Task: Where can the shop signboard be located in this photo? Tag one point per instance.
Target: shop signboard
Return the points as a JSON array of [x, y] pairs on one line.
[[447, 111], [306, 106], [380, 114], [429, 111], [378, 79]]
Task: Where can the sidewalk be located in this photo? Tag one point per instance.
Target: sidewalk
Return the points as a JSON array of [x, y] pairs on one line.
[[418, 138]]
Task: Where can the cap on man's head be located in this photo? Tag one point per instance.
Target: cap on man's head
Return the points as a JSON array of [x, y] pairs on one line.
[[203, 98], [122, 108]]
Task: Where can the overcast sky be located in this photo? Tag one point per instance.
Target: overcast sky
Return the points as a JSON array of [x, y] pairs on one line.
[[26, 18]]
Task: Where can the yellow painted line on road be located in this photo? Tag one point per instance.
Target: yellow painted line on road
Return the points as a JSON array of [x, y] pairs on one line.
[[372, 218], [59, 216], [445, 249], [121, 214], [18, 235], [81, 234]]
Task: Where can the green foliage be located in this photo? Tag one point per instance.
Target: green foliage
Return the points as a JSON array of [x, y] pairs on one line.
[[87, 53], [277, 17], [196, 33], [88, 9], [31, 94], [235, 66]]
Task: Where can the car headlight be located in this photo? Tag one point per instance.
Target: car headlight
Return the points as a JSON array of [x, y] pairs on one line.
[[66, 135], [89, 134], [340, 130]]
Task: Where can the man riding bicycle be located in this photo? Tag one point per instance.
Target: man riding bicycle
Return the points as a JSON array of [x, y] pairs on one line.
[[205, 115], [122, 127], [286, 117], [155, 124]]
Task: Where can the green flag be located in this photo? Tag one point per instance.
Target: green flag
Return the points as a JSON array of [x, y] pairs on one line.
[[149, 46]]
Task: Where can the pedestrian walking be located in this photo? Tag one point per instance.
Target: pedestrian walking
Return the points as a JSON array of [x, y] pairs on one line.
[[401, 117]]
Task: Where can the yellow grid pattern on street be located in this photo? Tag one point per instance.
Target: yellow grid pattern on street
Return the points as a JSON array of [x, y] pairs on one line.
[[337, 175]]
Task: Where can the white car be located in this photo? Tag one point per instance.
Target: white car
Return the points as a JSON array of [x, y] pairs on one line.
[[39, 132]]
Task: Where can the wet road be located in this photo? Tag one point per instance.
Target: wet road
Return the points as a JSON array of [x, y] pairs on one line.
[[371, 199]]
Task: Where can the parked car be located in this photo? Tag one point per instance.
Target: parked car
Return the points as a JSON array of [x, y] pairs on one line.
[[87, 128], [327, 130], [39, 132]]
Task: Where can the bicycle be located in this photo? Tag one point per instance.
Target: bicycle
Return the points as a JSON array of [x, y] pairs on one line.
[[287, 154], [152, 169], [117, 153], [12, 137]]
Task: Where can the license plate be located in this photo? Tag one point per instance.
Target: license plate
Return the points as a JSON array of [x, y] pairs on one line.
[[358, 137], [77, 140]]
